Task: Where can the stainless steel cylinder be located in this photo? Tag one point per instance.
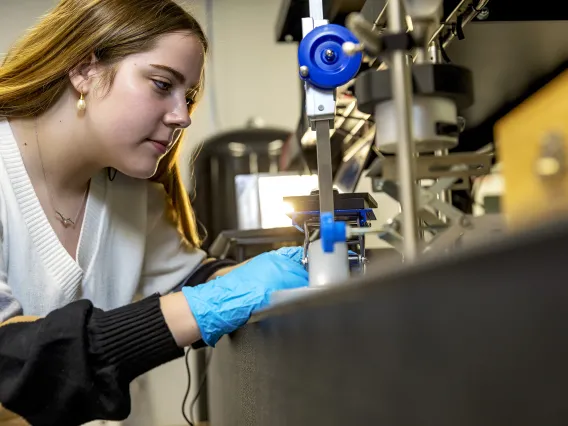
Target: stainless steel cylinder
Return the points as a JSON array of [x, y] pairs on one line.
[[429, 117]]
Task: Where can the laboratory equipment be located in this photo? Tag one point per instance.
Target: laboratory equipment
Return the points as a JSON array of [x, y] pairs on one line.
[[446, 337]]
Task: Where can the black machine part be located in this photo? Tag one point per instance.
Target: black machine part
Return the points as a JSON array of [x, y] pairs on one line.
[[221, 159], [476, 339], [350, 201], [241, 245], [435, 80]]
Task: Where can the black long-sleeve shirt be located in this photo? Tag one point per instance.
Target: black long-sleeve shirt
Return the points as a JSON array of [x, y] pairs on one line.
[[76, 364]]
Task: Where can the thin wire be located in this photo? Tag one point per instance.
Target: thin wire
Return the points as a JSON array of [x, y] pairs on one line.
[[183, 413], [201, 383]]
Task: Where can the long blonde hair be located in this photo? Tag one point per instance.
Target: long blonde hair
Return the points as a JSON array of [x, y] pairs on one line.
[[35, 72]]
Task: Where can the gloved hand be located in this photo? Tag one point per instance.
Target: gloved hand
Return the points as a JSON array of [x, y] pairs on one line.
[[226, 303]]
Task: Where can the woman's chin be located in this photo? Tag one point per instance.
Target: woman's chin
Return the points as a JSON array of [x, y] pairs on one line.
[[139, 172]]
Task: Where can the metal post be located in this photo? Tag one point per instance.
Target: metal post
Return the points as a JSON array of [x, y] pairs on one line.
[[402, 94], [446, 195], [435, 53], [316, 9], [325, 172]]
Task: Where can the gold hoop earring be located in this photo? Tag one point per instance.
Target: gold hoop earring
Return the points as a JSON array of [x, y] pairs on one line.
[[81, 104]]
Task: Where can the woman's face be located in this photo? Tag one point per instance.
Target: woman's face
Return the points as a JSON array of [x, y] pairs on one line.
[[147, 105]]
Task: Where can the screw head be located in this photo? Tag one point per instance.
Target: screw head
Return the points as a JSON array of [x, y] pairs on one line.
[[304, 71], [552, 159], [548, 166], [393, 224], [483, 14], [329, 54], [320, 108], [350, 48], [461, 123]]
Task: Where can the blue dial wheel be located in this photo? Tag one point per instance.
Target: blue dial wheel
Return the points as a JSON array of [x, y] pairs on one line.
[[322, 61]]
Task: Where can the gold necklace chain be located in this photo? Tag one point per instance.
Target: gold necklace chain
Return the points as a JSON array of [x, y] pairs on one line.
[[65, 221]]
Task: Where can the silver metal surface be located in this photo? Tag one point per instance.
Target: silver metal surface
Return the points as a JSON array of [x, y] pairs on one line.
[[402, 94], [444, 196], [316, 9], [467, 232], [449, 211], [445, 41], [381, 18], [325, 176], [459, 165], [304, 71], [451, 17], [422, 10], [444, 32], [435, 54], [428, 199], [426, 16], [483, 14], [365, 33], [425, 113]]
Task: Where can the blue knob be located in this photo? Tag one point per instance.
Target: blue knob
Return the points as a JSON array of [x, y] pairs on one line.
[[321, 53], [331, 232]]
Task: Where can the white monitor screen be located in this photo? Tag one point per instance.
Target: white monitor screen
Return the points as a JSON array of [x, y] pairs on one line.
[[260, 198]]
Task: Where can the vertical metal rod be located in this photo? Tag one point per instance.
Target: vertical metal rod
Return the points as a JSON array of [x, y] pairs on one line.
[[444, 196], [435, 52], [436, 58], [402, 94], [325, 173], [316, 9]]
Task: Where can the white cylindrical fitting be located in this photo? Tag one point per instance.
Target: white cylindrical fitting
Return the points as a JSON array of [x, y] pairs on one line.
[[327, 268], [428, 114]]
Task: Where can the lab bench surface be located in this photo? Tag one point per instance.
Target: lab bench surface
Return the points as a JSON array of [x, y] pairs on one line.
[[478, 339]]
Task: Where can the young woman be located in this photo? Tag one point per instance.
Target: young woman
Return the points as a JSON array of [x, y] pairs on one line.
[[93, 213]]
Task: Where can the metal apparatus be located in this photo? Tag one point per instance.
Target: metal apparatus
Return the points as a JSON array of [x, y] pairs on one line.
[[415, 101], [324, 66], [461, 322], [355, 210]]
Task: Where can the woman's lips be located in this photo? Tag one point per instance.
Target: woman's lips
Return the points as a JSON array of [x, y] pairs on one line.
[[160, 146]]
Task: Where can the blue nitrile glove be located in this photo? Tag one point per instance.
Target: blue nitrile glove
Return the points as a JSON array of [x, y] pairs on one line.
[[226, 303]]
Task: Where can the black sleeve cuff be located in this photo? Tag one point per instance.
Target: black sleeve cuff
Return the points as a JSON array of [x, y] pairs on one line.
[[76, 364], [133, 338]]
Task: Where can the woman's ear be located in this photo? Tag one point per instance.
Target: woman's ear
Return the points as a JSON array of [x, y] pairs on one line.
[[82, 76]]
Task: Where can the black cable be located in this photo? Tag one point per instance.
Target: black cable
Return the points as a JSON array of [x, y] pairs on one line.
[[201, 384], [189, 422], [445, 55]]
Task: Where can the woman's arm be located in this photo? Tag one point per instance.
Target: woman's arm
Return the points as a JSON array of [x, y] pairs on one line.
[[224, 270], [180, 319], [76, 364], [218, 269]]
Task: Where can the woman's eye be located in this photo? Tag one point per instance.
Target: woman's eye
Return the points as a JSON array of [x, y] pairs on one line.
[[162, 85]]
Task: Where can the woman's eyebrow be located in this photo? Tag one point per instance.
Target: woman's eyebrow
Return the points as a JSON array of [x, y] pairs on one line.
[[178, 75]]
